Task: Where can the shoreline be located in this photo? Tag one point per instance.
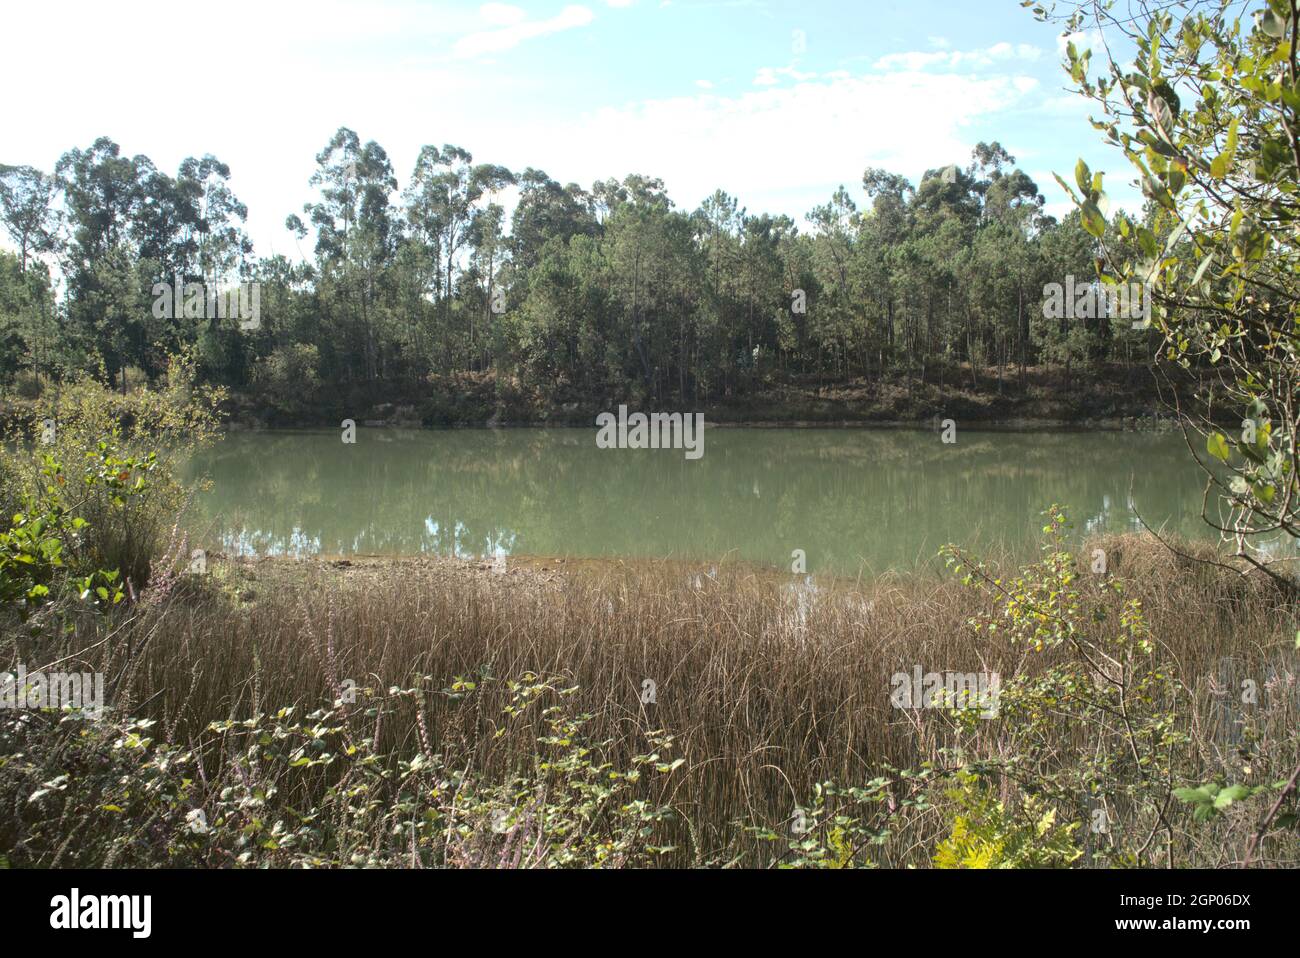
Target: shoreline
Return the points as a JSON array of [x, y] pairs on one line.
[[244, 575], [1153, 424], [1106, 398]]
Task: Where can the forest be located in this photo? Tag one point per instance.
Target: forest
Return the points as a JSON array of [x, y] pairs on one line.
[[605, 293]]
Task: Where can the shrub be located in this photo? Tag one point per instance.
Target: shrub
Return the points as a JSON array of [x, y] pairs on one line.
[[985, 834], [288, 378], [104, 446], [315, 791], [1089, 668]]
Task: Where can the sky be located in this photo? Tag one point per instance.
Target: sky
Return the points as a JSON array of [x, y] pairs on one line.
[[778, 102]]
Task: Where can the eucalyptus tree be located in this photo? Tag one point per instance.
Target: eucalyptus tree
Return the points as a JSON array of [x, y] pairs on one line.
[[164, 222], [606, 195], [422, 254], [446, 190], [356, 238], [161, 248], [199, 230], [487, 244], [223, 246], [101, 190], [27, 198], [545, 210], [1011, 217], [335, 212], [27, 209]]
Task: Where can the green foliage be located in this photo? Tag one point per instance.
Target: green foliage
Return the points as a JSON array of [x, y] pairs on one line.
[[1090, 717], [47, 539], [1205, 113], [29, 385], [321, 789], [1211, 799], [841, 826], [986, 835], [288, 378], [30, 555], [113, 462], [586, 294], [311, 790], [571, 808]]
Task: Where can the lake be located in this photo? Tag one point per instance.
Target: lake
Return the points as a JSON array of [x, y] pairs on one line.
[[854, 500]]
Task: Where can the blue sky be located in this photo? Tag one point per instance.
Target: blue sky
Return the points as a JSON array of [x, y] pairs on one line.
[[778, 102]]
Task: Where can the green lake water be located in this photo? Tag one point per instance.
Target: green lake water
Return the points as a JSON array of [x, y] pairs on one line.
[[854, 500]]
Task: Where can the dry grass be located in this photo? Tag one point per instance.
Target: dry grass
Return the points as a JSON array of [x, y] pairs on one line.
[[767, 684]]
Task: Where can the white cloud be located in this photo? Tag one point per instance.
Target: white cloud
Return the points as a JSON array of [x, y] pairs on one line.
[[502, 14], [298, 70], [1082, 40], [1067, 104], [291, 75], [771, 76], [914, 60], [831, 129], [512, 27]]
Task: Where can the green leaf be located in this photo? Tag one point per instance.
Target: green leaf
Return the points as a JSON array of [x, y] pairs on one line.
[[1217, 446], [1222, 163], [1093, 221], [1229, 795], [1271, 24], [1200, 270], [1164, 105]]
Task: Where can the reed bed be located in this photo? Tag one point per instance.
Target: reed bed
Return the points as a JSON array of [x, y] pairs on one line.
[[768, 683]]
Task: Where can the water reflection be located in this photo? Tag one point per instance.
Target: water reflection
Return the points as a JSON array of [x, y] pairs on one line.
[[851, 499]]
